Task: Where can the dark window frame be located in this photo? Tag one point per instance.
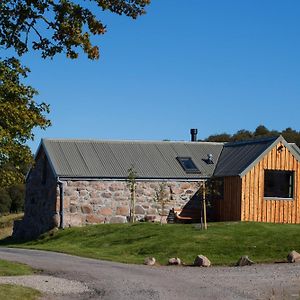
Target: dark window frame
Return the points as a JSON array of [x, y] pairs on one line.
[[188, 165], [279, 184]]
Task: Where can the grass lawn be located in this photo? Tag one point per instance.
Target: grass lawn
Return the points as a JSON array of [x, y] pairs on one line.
[[15, 292], [8, 268], [222, 243]]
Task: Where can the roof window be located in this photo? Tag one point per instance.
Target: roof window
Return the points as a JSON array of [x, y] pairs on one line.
[[188, 165]]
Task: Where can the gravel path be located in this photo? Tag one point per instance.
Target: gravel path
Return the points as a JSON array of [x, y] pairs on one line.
[[48, 284], [109, 281]]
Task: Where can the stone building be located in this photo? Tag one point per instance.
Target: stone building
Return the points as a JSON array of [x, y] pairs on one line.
[[79, 182]]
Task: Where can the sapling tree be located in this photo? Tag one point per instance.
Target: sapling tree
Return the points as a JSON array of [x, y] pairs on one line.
[[131, 184], [163, 198]]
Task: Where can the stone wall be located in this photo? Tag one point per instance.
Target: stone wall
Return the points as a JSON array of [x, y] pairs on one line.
[[40, 213], [92, 202]]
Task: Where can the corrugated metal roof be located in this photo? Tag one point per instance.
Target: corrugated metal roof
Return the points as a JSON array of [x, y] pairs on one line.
[[295, 148], [237, 156], [112, 159]]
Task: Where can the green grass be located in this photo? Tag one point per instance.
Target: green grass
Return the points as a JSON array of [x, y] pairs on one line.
[[8, 268], [15, 292], [222, 243]]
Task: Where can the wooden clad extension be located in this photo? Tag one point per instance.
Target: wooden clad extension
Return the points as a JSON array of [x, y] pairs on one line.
[[254, 206], [229, 209]]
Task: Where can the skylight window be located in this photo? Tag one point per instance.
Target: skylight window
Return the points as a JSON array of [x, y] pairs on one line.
[[188, 165]]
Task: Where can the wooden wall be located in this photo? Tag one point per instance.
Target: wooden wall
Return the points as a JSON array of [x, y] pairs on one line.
[[253, 205], [229, 208]]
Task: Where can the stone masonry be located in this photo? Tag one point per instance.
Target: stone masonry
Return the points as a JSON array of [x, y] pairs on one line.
[[93, 202]]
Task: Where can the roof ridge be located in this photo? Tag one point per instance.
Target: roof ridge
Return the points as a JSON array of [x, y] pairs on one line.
[[252, 141], [128, 141]]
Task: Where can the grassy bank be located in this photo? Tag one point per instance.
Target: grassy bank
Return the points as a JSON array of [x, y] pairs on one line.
[[8, 268], [222, 243], [6, 224], [15, 292]]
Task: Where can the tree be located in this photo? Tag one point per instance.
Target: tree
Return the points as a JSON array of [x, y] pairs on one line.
[[291, 135], [19, 115], [55, 26], [131, 183], [163, 198], [51, 27]]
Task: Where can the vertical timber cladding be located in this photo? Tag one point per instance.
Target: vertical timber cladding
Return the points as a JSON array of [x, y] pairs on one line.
[[230, 207], [254, 207]]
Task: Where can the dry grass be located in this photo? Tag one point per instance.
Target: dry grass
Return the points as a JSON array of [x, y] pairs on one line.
[[6, 224]]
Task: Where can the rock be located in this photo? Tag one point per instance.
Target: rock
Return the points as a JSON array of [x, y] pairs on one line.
[[122, 210], [293, 257], [86, 209], [139, 210], [185, 186], [116, 187], [149, 261], [175, 261], [244, 261], [202, 261], [94, 219], [106, 211], [150, 218], [73, 209], [118, 219], [106, 195]]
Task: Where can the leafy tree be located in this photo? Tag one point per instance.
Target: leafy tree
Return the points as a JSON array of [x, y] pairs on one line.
[[291, 135], [5, 201], [261, 130], [55, 26], [242, 135], [17, 195], [19, 115], [50, 27], [223, 137]]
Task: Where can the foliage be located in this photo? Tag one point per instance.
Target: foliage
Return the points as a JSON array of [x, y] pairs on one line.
[[5, 201], [16, 292], [51, 27], [19, 115], [291, 135], [131, 183], [223, 243], [12, 199], [55, 26], [163, 197]]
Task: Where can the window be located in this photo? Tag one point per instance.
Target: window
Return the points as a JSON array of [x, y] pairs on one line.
[[188, 165], [279, 184]]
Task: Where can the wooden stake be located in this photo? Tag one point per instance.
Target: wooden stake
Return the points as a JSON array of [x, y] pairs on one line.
[[204, 206]]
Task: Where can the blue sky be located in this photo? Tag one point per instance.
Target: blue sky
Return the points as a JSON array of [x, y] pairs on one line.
[[218, 66]]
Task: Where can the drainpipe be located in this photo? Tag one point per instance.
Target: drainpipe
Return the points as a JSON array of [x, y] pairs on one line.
[[61, 202]]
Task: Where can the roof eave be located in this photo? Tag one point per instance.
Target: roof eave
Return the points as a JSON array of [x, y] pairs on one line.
[[279, 139]]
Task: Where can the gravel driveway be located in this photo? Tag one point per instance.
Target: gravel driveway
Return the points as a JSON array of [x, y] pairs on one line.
[[108, 280]]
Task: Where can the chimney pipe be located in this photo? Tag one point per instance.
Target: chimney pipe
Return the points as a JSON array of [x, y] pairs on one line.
[[194, 132]]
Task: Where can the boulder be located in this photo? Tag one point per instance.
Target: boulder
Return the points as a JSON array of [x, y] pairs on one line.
[[174, 261], [149, 261], [244, 261], [293, 257], [202, 261]]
